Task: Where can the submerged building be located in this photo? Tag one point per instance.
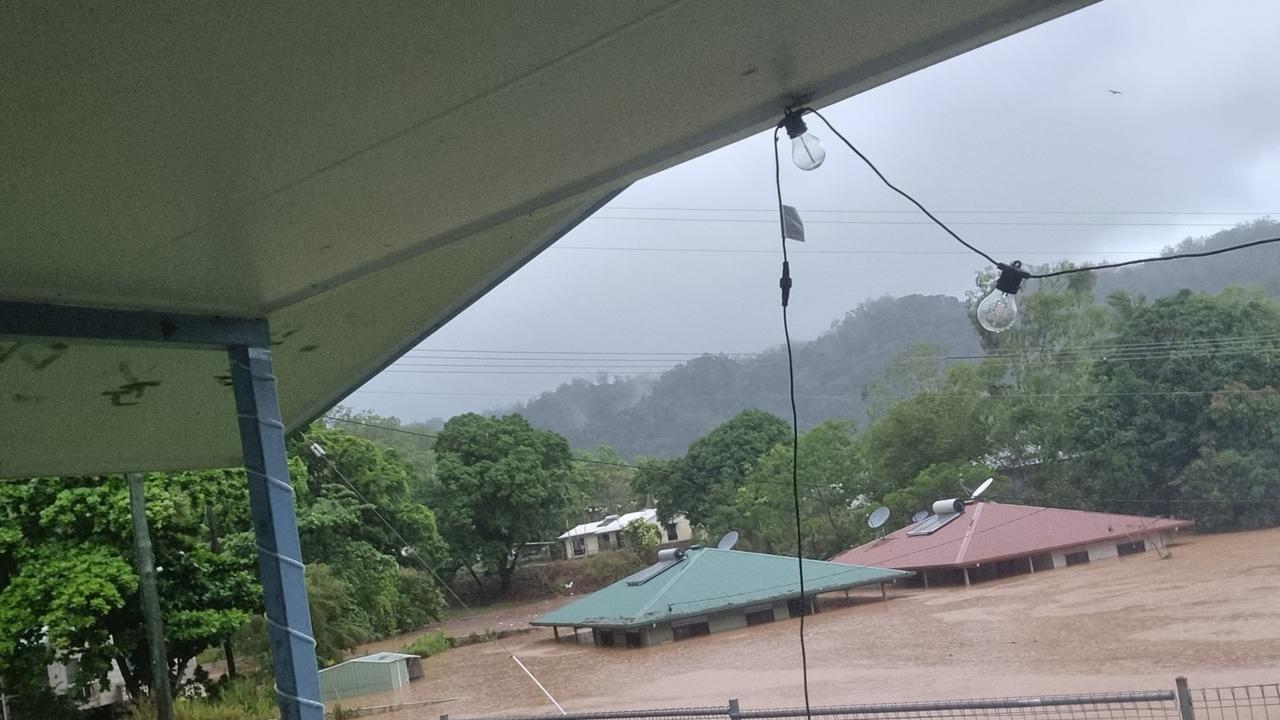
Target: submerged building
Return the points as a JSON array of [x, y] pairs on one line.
[[975, 541], [606, 534], [705, 590]]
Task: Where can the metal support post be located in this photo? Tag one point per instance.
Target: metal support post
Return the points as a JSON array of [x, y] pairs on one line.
[[161, 694], [1184, 699], [735, 712], [275, 526]]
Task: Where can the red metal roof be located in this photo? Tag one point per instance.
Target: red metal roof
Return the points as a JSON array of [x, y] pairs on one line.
[[991, 531]]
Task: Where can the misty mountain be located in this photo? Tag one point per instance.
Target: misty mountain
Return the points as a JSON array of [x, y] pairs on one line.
[[660, 418], [1254, 267]]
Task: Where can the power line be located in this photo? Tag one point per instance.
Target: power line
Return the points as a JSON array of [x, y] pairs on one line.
[[575, 352], [698, 353], [1048, 357], [533, 366], [969, 223], [750, 251], [513, 372], [771, 211]]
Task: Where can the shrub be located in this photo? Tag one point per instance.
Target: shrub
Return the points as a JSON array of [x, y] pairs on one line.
[[428, 645], [236, 700]]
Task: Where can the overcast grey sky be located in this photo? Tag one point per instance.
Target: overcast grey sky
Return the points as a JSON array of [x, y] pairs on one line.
[[1025, 124]]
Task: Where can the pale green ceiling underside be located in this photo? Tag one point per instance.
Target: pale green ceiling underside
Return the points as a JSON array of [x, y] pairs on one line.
[[357, 173]]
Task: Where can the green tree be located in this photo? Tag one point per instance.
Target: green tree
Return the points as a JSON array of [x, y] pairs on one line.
[[66, 568], [1152, 413], [949, 423], [503, 484], [605, 481], [414, 442], [709, 474], [1234, 482], [643, 538], [350, 491], [834, 483]]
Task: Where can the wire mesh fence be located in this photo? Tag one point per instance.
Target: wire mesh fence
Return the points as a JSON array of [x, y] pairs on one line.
[[1143, 705], [1245, 702]]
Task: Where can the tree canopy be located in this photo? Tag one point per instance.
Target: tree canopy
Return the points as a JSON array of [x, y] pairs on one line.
[[503, 484]]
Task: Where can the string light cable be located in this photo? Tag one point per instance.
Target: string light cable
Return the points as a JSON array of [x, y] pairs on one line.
[[808, 155], [998, 311]]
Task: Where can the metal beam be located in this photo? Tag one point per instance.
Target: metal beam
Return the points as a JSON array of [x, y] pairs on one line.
[[271, 503], [132, 327]]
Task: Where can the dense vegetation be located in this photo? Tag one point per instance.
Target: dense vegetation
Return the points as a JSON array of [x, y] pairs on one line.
[[841, 374], [1163, 406], [69, 588], [661, 418]]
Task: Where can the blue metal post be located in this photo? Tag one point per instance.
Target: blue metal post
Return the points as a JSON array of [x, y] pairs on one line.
[[293, 652]]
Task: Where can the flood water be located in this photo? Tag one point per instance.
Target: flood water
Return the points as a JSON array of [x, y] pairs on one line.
[[1208, 612]]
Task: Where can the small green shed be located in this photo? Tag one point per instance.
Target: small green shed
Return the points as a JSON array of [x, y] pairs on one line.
[[375, 673]]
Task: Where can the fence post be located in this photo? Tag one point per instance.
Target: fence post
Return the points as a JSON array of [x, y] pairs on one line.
[[734, 710], [1184, 699]]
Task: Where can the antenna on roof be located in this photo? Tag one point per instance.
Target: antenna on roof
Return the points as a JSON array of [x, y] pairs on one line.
[[920, 515], [728, 541], [878, 517], [982, 488]]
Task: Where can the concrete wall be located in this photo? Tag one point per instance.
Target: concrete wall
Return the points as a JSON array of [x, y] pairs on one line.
[[780, 611], [1097, 551], [728, 621], [658, 635]]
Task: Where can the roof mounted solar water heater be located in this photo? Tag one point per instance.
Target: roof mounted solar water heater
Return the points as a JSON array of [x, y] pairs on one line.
[[944, 511], [667, 559]]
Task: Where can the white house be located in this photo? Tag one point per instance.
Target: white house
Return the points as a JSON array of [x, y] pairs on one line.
[[604, 535]]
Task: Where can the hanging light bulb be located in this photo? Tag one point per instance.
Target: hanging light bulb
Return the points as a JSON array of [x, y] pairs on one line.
[[806, 151], [998, 311]]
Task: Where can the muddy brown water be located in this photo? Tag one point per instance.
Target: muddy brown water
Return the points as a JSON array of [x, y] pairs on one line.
[[1209, 612]]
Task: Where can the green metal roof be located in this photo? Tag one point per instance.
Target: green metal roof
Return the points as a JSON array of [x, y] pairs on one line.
[[709, 580]]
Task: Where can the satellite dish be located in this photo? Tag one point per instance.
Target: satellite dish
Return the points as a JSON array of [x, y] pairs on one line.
[[728, 541], [920, 515], [982, 488], [878, 517]]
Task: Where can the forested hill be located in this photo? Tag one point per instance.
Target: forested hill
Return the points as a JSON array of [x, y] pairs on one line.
[[1254, 267], [836, 372], [661, 418]]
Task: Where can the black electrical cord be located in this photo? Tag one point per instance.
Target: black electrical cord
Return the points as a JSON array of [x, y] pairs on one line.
[[784, 283], [1016, 268]]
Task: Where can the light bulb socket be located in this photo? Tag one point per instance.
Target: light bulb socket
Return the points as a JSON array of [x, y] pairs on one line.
[[794, 126], [1011, 277]]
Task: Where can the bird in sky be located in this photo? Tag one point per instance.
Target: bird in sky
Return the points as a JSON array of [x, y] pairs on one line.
[[1114, 92]]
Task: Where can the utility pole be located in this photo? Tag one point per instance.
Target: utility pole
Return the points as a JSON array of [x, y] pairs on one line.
[[216, 546], [160, 692]]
